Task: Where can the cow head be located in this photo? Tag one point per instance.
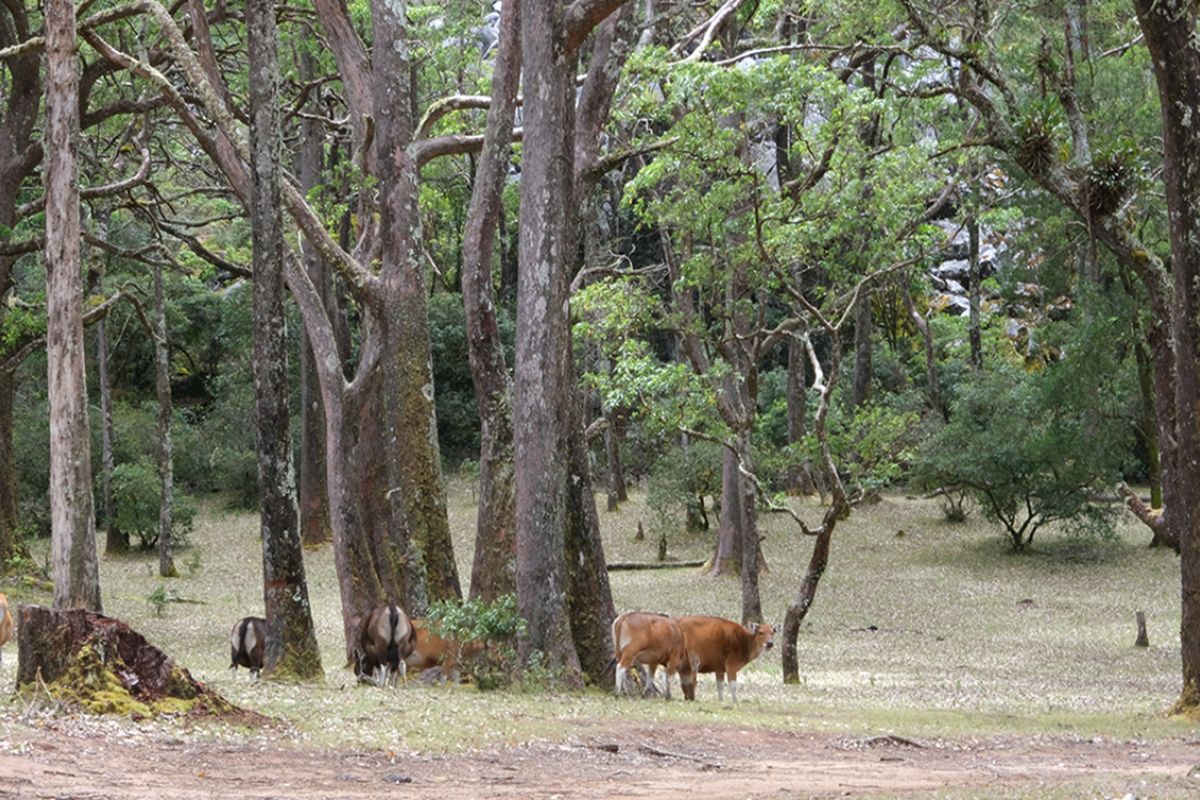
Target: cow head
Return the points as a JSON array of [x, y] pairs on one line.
[[764, 635]]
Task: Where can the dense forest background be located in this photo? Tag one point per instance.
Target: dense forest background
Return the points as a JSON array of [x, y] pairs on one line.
[[729, 252]]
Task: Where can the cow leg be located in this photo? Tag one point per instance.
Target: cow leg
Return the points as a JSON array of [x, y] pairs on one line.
[[720, 686], [666, 684], [733, 686], [619, 687], [648, 684]]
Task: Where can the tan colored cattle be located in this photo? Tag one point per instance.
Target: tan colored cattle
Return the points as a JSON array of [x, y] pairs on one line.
[[652, 640], [6, 623], [722, 646], [432, 651]]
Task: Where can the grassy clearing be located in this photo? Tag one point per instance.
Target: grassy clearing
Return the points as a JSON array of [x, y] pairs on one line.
[[938, 632]]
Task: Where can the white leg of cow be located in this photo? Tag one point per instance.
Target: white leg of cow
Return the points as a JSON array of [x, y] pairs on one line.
[[619, 689], [720, 689], [666, 685], [733, 689]]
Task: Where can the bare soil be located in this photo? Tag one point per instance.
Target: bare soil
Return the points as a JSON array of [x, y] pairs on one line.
[[50, 760]]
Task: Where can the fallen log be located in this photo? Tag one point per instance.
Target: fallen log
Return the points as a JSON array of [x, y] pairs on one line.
[[617, 566], [103, 665]]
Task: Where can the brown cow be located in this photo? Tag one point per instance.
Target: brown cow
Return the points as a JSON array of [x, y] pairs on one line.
[[247, 641], [386, 640], [431, 650], [724, 647], [6, 623], [649, 640]]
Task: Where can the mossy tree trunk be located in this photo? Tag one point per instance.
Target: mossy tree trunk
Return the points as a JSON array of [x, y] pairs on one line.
[[166, 466], [291, 646]]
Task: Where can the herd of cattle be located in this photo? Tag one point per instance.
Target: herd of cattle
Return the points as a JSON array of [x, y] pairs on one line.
[[391, 644]]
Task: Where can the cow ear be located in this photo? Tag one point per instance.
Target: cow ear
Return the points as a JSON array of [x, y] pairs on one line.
[[754, 627]]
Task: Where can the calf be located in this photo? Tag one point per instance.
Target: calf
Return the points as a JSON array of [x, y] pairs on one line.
[[651, 640], [247, 643], [724, 647], [6, 623], [432, 651], [387, 639]]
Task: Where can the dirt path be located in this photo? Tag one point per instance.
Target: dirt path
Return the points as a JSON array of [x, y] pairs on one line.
[[697, 764]]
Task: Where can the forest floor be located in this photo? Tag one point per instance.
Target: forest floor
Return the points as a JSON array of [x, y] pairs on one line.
[[935, 663], [65, 760]]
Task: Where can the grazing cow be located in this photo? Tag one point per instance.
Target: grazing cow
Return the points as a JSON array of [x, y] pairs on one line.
[[724, 647], [432, 651], [247, 643], [650, 640], [388, 637], [6, 623]]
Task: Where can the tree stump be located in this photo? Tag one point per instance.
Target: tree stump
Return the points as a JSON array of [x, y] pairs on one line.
[[103, 665], [1142, 639]]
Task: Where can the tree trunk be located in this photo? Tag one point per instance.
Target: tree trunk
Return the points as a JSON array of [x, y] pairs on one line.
[[116, 541], [414, 468], [542, 385], [974, 294], [493, 571], [727, 559], [1170, 29], [1149, 427], [752, 560], [314, 496], [10, 546], [162, 389], [73, 533], [933, 392], [291, 646], [799, 476], [861, 390], [612, 451]]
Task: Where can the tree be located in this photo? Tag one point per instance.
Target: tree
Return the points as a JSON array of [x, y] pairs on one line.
[[1170, 32], [73, 524], [291, 646], [551, 34], [162, 388]]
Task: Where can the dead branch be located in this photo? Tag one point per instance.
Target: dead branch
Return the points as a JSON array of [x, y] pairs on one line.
[[654, 751], [621, 566]]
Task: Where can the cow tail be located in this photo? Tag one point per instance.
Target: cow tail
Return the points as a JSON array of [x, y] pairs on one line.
[[393, 647]]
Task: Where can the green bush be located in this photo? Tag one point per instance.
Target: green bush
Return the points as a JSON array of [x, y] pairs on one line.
[[1030, 449], [680, 480], [135, 489], [496, 624]]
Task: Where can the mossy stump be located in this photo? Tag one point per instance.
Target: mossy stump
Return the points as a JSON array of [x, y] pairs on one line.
[[103, 665]]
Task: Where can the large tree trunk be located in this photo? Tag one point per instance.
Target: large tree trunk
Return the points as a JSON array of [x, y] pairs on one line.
[[493, 571], [73, 532], [291, 646], [727, 558], [414, 468], [542, 382], [166, 467], [1170, 29]]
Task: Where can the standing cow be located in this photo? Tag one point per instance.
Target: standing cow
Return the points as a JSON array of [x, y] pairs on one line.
[[387, 638], [722, 646], [652, 640], [247, 642], [6, 623]]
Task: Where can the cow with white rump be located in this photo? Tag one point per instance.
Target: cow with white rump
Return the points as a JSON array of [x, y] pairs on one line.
[[722, 646], [651, 640], [247, 642], [388, 637]]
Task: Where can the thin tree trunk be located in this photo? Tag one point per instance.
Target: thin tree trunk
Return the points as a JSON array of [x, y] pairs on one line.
[[291, 646], [10, 546], [314, 496], [493, 571], [116, 541], [933, 391], [974, 295], [617, 489], [162, 389], [861, 390], [1149, 427], [799, 476], [73, 533]]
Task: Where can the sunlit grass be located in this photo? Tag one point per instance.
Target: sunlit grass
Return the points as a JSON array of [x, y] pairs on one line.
[[938, 632]]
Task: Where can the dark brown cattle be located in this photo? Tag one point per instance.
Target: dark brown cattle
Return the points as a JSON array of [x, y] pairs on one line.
[[247, 642], [722, 646], [387, 638], [651, 640]]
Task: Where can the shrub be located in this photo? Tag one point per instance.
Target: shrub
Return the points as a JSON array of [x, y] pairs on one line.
[[496, 624], [135, 488]]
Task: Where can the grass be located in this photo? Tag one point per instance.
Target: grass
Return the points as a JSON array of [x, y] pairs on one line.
[[938, 632]]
